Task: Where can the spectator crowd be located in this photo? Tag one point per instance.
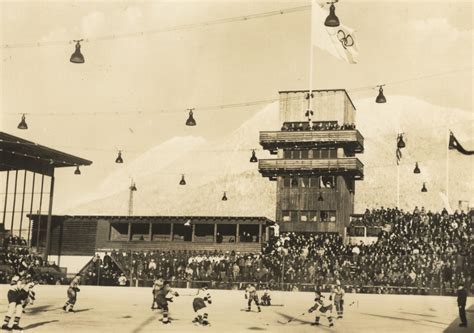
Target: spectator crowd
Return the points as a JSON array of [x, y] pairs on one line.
[[16, 259], [415, 251], [420, 250]]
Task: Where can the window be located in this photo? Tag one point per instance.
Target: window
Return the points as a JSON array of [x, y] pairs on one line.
[[204, 233], [314, 182], [328, 182], [287, 154], [324, 154], [160, 231], [328, 216], [289, 215], [304, 154], [332, 153], [140, 231], [294, 182], [119, 231], [304, 216], [304, 181], [313, 216], [316, 154], [286, 181]]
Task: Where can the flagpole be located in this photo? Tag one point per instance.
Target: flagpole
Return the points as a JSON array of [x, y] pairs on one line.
[[447, 167], [398, 184], [311, 55]]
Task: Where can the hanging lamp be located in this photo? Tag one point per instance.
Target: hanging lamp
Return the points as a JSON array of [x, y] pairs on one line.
[[119, 158], [424, 189], [400, 143], [253, 158], [77, 57], [417, 169], [22, 124], [191, 121], [332, 20], [380, 97]]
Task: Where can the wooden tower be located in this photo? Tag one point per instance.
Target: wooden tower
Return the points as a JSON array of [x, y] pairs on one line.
[[316, 168]]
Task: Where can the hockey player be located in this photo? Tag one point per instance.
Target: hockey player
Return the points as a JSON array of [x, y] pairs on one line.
[[199, 306], [16, 296], [337, 296], [31, 295], [162, 290], [72, 294], [321, 307], [251, 295], [266, 298]]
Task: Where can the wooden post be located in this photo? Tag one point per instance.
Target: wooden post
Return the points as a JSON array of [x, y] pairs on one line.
[[237, 230], [6, 199], [39, 214], [22, 204], [193, 232], [14, 202], [260, 233], [129, 231], [171, 232], [215, 232], [48, 223], [150, 232], [31, 208]]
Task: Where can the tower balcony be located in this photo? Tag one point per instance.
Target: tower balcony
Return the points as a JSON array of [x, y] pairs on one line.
[[338, 166], [349, 139]]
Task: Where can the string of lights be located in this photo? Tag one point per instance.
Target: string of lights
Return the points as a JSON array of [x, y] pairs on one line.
[[182, 27], [214, 108]]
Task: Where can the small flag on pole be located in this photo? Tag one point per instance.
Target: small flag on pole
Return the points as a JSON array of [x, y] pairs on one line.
[[338, 41], [399, 155], [454, 144]]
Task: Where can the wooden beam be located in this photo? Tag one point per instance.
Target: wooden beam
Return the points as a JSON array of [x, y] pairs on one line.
[[48, 222]]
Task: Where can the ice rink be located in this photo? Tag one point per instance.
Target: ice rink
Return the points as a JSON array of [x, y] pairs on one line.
[[115, 309]]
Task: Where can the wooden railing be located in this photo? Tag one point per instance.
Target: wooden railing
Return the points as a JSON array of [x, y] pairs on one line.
[[270, 166], [271, 139]]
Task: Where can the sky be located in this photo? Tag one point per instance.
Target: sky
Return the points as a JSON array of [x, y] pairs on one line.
[[238, 62]]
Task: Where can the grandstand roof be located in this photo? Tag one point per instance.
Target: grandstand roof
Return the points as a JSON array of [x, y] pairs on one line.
[[164, 219], [20, 154]]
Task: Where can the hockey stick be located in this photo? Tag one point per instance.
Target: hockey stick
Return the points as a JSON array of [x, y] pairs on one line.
[[291, 319]]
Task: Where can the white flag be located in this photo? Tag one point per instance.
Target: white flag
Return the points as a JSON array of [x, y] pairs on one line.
[[338, 41]]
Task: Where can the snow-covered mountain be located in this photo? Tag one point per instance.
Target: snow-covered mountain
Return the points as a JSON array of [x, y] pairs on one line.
[[211, 168]]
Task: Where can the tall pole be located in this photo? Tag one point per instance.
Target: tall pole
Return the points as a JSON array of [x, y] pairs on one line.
[[22, 204], [14, 202], [6, 199], [398, 184], [31, 207], [447, 167], [48, 222], [311, 55]]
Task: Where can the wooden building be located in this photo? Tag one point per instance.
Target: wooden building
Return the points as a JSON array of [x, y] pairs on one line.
[[86, 235], [316, 167]]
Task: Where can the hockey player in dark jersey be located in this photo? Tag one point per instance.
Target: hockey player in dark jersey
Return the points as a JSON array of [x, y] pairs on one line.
[[321, 308], [199, 306], [72, 294], [16, 295], [162, 292], [251, 295]]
